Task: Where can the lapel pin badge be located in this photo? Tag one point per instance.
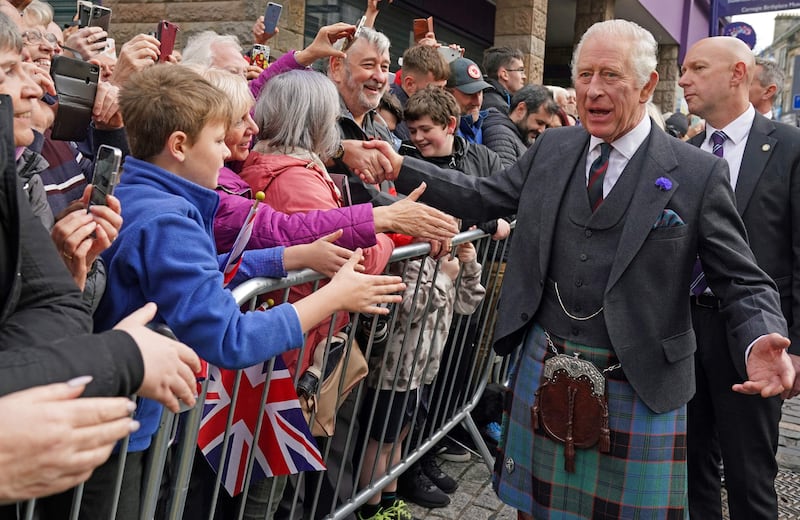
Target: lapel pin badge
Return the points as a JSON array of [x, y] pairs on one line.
[[765, 147]]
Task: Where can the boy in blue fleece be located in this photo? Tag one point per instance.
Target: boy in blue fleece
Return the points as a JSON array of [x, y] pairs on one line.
[[165, 251]]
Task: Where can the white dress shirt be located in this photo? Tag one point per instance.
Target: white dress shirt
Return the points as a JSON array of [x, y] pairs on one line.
[[737, 131], [622, 150]]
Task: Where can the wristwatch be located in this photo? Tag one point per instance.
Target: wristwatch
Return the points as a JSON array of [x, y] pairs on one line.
[[339, 153]]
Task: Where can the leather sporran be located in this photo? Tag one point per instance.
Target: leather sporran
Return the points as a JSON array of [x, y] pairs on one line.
[[571, 406]]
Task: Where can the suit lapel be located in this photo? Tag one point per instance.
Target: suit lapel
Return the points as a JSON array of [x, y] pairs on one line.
[[558, 176], [757, 152], [648, 200]]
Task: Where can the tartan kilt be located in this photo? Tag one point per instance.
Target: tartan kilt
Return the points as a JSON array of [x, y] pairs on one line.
[[643, 477]]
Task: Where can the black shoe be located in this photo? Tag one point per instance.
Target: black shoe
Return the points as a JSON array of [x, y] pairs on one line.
[[416, 487], [432, 470], [450, 450]]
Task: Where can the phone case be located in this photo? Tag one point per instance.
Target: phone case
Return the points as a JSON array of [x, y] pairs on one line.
[[271, 16], [259, 56], [422, 26], [106, 171], [166, 34], [84, 13], [76, 85], [101, 17]]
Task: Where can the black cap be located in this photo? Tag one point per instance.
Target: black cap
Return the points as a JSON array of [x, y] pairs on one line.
[[466, 76]]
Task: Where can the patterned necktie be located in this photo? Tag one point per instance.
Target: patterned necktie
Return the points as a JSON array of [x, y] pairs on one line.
[[717, 138], [596, 175], [699, 284]]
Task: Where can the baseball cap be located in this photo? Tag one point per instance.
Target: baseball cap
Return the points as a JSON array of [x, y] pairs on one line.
[[466, 76]]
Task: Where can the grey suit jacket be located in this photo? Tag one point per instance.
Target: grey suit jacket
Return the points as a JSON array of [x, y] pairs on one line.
[[768, 200], [646, 298]]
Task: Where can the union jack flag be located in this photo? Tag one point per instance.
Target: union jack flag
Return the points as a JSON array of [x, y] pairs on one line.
[[240, 244], [285, 444]]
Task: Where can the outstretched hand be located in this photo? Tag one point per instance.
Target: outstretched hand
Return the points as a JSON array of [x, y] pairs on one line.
[[769, 368], [322, 255], [413, 218], [364, 293]]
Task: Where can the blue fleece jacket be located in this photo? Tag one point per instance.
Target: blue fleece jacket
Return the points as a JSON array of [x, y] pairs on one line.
[[165, 254]]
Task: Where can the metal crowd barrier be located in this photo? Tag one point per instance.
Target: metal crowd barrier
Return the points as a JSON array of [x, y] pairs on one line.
[[467, 365]]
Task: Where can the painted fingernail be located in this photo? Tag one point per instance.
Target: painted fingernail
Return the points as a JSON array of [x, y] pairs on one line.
[[79, 381]]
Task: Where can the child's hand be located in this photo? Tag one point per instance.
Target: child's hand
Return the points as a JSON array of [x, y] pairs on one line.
[[322, 255], [327, 258], [466, 252], [450, 267], [363, 293]]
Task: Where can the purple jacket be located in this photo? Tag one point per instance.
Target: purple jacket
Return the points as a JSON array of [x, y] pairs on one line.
[[273, 228]]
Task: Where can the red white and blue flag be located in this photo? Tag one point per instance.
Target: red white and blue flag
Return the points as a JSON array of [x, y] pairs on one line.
[[285, 444], [240, 244]]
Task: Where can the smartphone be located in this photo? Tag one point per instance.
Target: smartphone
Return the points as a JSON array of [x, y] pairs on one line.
[[100, 17], [76, 85], [422, 26], [106, 171], [84, 13], [448, 53], [259, 56], [271, 16], [166, 34]]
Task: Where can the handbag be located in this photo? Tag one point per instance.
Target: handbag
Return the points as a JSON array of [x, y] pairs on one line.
[[571, 405], [342, 373]]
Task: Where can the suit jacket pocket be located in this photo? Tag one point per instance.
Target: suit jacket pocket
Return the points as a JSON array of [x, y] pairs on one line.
[[663, 233], [680, 346]]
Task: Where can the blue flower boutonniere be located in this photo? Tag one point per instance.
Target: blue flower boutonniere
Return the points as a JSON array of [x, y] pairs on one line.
[[663, 184]]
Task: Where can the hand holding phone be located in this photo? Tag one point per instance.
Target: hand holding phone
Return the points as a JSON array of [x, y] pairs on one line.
[[271, 15], [166, 33], [106, 171], [76, 85], [100, 17]]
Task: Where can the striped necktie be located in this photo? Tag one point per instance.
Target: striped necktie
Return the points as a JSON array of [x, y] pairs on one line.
[[699, 284], [717, 138], [597, 173]]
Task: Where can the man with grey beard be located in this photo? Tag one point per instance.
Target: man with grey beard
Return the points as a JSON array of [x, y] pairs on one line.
[[361, 79]]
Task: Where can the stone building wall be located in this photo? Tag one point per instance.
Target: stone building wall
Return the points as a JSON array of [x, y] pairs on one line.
[[131, 17]]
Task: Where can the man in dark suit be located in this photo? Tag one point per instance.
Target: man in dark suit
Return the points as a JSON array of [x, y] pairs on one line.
[[764, 161], [610, 219]]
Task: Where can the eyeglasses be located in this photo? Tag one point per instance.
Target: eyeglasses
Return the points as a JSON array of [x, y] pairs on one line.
[[36, 37], [521, 69]]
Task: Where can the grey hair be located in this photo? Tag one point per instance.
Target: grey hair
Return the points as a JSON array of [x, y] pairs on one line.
[[297, 111], [643, 46], [198, 48], [375, 38], [10, 38], [770, 74]]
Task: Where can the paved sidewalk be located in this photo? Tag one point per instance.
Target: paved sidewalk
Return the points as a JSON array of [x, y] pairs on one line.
[[475, 500]]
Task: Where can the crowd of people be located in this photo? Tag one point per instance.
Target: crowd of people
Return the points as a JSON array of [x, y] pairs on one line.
[[656, 257]]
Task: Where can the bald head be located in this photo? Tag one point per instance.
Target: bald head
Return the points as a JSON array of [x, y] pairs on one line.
[[716, 77]]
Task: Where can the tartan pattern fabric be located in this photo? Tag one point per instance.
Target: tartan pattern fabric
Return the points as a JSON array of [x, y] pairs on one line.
[[643, 477]]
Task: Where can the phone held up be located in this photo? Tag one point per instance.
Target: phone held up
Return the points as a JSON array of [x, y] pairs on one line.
[[259, 56], [106, 173], [166, 33], [271, 15], [100, 17]]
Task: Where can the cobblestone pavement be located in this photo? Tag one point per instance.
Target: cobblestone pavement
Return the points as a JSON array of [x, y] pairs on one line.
[[475, 500]]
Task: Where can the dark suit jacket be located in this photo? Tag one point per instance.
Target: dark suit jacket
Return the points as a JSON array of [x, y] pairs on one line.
[[646, 298], [768, 200]]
